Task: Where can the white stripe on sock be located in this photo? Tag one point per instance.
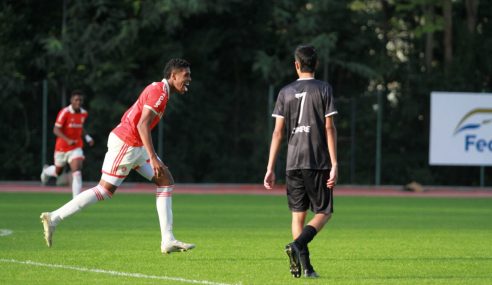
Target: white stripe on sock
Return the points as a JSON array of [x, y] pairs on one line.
[[84, 199]]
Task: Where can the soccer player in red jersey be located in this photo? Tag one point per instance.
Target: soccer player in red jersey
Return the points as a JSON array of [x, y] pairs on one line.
[[69, 128], [130, 147]]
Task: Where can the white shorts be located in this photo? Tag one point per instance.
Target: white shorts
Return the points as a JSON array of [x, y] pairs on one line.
[[121, 158], [62, 157]]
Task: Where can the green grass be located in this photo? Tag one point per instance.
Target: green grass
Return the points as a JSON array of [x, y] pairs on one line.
[[240, 239]]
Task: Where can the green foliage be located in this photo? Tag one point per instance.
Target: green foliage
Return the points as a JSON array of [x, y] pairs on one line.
[[238, 49]]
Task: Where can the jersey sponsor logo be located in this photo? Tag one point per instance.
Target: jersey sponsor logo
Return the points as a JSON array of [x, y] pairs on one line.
[[301, 129], [159, 101], [75, 125]]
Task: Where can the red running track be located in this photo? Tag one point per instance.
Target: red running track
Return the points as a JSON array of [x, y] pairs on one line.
[[258, 189]]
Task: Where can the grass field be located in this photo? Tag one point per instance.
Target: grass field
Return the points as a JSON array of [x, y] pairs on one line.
[[240, 240]]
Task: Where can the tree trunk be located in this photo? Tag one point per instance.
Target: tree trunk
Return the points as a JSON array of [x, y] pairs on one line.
[[448, 32], [429, 37], [386, 16], [471, 14]]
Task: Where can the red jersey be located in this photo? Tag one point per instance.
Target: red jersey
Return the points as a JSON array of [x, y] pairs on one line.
[[71, 124], [154, 97]]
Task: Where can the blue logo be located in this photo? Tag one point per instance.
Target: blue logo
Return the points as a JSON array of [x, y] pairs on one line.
[[472, 126], [472, 141]]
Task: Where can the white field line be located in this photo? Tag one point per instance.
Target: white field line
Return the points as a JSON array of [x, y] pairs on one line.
[[5, 232], [111, 272]]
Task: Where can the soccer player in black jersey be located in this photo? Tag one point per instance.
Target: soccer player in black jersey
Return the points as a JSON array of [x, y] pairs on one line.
[[304, 113]]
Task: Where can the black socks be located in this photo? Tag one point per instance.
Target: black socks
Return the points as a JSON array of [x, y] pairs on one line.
[[307, 235]]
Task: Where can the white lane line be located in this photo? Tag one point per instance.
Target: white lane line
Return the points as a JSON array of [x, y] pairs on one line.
[[5, 232], [111, 272]]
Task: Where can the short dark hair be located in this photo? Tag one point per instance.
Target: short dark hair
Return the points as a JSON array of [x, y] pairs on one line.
[[173, 64], [77, 92], [307, 57]]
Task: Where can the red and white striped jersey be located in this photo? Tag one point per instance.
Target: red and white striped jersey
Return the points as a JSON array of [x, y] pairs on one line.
[[154, 97], [71, 124]]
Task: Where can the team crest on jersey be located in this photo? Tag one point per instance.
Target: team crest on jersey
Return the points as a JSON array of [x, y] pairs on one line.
[[123, 168]]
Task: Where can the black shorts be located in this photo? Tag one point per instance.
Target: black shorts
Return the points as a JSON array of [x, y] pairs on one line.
[[306, 189]]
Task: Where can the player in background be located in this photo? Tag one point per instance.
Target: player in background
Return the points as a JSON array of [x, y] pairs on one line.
[[69, 128], [304, 111], [130, 147]]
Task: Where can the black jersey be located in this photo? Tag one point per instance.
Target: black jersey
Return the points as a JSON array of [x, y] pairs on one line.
[[304, 104]]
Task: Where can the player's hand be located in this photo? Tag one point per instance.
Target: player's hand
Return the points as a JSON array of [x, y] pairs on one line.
[[269, 180], [89, 139], [71, 142], [332, 181], [158, 166]]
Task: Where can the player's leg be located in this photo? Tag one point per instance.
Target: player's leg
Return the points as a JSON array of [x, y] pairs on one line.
[[75, 160], [114, 173], [312, 228], [103, 191], [48, 171], [298, 203], [321, 203], [308, 269], [305, 237], [319, 221], [164, 190], [298, 220], [321, 198]]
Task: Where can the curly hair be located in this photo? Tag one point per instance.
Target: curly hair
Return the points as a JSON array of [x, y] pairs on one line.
[[77, 92], [173, 64]]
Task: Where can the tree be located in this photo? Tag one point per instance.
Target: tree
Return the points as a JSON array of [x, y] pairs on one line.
[[219, 131]]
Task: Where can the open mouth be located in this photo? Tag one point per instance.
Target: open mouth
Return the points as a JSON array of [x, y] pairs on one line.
[[186, 86]]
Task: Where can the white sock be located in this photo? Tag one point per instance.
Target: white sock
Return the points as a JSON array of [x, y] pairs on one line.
[[50, 171], [165, 212], [84, 199], [76, 183]]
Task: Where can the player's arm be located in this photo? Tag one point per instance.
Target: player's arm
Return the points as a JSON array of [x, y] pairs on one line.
[[144, 131], [58, 132], [277, 136], [88, 138], [331, 137]]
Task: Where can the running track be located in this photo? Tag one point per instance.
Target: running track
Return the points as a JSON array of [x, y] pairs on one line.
[[257, 189]]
